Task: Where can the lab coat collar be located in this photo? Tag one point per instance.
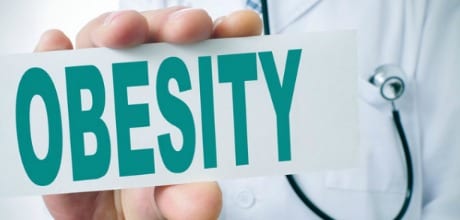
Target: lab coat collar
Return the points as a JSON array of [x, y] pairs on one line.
[[284, 13]]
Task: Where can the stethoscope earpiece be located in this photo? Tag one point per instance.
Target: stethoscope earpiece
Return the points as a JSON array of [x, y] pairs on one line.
[[389, 79]]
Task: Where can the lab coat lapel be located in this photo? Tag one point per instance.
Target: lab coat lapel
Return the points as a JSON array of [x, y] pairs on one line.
[[284, 13]]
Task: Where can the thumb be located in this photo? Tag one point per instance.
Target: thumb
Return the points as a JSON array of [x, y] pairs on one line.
[[173, 202], [195, 201]]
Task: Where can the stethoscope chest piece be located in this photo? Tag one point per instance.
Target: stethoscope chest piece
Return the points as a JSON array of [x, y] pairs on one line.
[[390, 80]]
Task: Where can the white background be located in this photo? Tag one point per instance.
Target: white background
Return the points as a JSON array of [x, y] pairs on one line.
[[22, 22]]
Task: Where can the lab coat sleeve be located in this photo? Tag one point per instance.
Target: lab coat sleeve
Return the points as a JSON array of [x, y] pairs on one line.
[[438, 82]]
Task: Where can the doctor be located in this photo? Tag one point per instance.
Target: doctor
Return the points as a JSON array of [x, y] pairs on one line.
[[422, 37]]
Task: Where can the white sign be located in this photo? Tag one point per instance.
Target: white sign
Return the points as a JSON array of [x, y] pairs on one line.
[[97, 119]]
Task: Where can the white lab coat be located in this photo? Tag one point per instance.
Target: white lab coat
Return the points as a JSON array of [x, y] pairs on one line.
[[423, 37]]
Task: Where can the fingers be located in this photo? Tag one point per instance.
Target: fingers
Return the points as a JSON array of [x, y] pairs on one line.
[[53, 40], [175, 25], [115, 30], [238, 24], [129, 28], [194, 201], [179, 25]]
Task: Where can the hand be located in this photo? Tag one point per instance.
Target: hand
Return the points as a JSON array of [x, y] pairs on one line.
[[127, 29]]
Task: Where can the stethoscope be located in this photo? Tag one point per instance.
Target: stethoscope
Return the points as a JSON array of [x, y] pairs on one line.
[[388, 78]]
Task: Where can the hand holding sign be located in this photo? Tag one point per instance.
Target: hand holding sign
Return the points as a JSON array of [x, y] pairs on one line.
[[127, 29]]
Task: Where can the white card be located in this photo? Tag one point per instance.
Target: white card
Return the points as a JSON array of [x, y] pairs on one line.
[[98, 119]]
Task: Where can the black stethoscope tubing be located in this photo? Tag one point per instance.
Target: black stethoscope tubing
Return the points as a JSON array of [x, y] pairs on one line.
[[404, 145]]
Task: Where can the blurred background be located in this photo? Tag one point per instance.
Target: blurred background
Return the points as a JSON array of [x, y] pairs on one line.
[[22, 22]]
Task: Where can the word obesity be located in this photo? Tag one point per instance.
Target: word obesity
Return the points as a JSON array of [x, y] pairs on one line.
[[234, 69]]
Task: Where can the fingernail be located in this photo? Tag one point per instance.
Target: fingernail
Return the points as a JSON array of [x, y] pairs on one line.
[[112, 17]]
